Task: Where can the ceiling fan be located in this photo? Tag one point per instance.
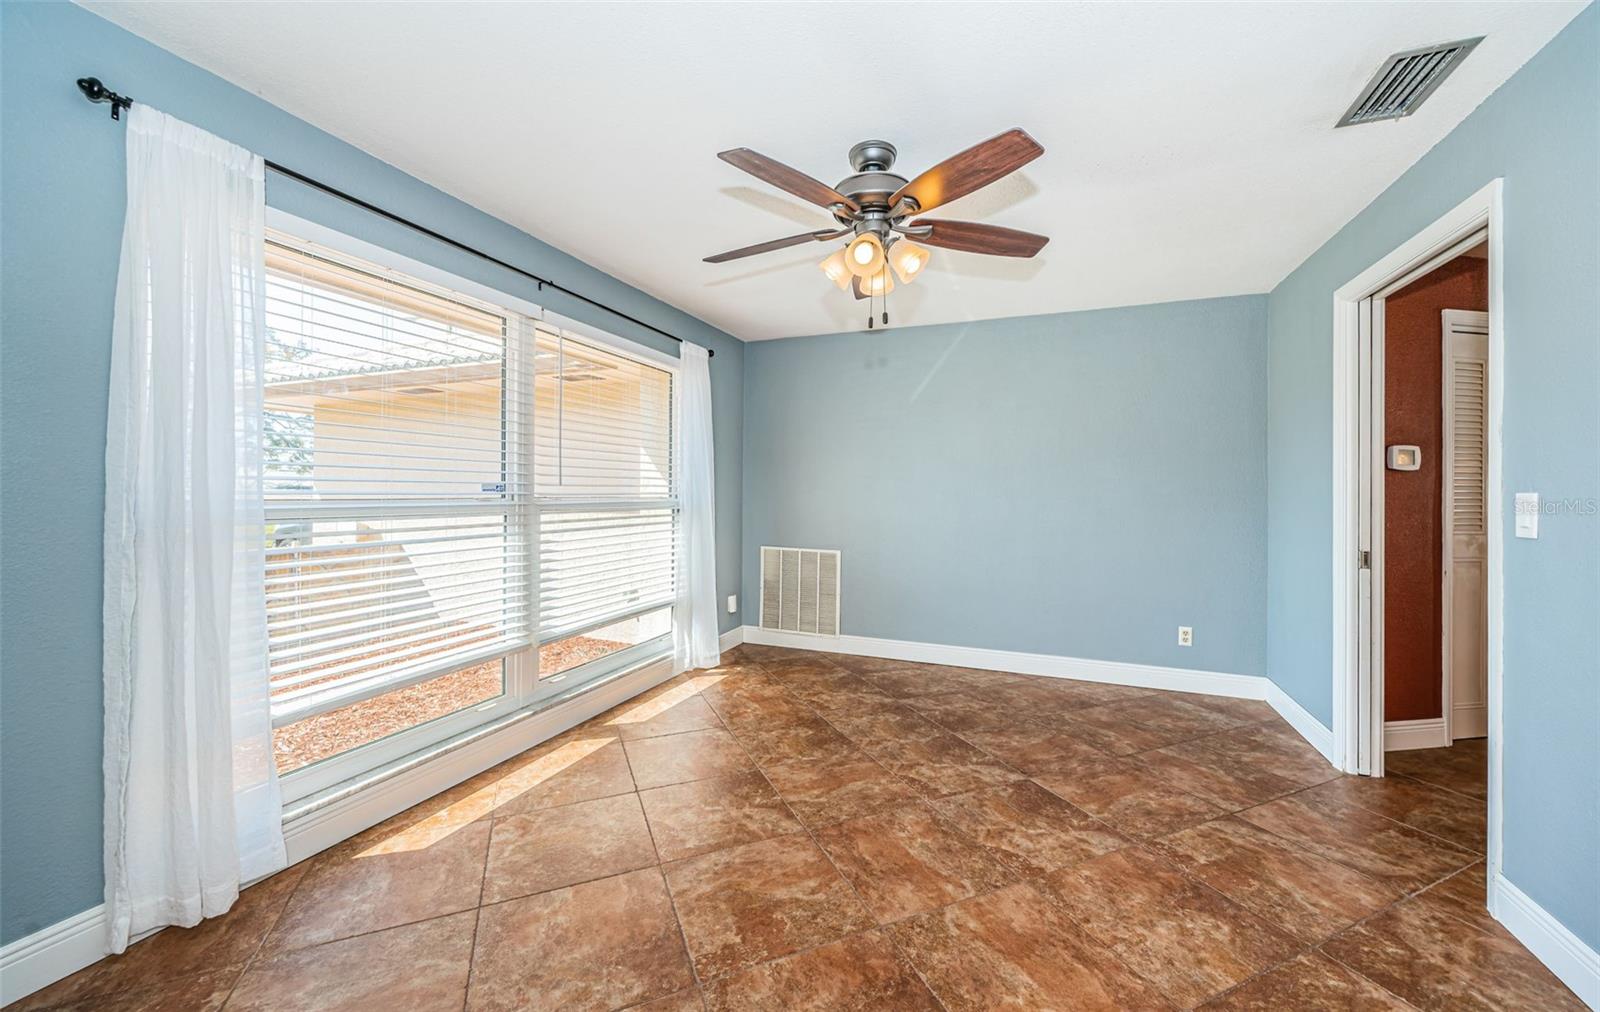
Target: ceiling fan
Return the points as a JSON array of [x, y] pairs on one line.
[[877, 209]]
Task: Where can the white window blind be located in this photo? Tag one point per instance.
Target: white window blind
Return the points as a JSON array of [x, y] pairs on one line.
[[604, 482], [398, 437]]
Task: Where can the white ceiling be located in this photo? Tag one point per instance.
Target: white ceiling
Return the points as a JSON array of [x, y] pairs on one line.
[[1189, 148]]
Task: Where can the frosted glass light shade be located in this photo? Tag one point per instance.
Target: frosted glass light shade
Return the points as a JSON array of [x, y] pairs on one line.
[[864, 255], [835, 269], [877, 284], [908, 259]]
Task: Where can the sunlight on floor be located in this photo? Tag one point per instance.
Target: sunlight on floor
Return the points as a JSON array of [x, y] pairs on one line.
[[706, 681], [424, 834], [657, 706]]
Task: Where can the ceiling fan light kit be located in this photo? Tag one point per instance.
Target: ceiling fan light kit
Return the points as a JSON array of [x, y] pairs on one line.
[[875, 207]]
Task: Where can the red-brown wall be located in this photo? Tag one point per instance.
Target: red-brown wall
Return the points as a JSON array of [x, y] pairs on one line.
[[1413, 533]]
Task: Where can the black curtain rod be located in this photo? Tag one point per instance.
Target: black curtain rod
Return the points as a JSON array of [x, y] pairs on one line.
[[94, 91]]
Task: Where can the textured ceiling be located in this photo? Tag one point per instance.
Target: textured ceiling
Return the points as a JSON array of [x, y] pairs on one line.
[[1189, 148]]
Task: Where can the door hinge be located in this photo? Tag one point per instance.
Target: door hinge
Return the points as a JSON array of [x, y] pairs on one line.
[[1365, 558]]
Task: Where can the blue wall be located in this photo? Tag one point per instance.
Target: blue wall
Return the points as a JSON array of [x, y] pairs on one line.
[[62, 204], [1541, 132], [1078, 484]]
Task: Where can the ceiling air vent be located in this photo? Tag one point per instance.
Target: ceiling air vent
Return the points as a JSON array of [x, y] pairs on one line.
[[1404, 81]]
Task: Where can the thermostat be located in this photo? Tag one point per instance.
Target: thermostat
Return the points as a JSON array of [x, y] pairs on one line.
[[1405, 458]]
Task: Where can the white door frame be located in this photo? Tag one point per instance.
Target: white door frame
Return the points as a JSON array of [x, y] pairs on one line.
[[1357, 709], [1376, 736]]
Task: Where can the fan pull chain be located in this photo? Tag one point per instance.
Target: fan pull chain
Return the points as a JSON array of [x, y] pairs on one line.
[[886, 294]]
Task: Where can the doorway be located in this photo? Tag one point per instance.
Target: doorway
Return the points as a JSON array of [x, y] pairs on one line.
[[1402, 618], [1432, 335], [1447, 567]]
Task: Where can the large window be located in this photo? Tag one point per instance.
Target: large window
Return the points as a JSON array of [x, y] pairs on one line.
[[468, 510]]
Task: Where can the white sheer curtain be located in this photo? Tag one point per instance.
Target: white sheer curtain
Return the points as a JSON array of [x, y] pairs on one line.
[[192, 806], [695, 642]]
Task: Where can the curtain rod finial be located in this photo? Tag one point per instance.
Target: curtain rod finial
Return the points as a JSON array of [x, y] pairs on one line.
[[94, 91]]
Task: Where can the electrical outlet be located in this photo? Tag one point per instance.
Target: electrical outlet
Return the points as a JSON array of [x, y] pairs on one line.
[[733, 604], [1185, 636]]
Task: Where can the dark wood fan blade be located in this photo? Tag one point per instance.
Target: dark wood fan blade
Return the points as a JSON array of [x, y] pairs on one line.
[[972, 169], [772, 244], [784, 178], [972, 237]]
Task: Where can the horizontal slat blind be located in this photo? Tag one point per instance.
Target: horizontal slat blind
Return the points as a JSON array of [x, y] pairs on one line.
[[603, 477], [596, 567], [399, 518]]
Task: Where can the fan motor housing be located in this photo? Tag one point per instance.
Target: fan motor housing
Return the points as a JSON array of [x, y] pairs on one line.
[[872, 184], [869, 188]]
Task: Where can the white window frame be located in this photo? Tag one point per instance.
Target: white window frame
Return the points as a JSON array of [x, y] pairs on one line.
[[523, 689]]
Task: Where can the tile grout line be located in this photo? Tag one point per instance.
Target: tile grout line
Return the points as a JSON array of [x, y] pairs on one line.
[[1317, 947], [267, 934], [1432, 837], [880, 928], [661, 868], [477, 913], [806, 828]]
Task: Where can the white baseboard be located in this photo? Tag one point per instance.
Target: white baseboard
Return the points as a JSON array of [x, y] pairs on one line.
[[1400, 735], [64, 948], [1298, 717], [49, 954], [732, 638], [1469, 720], [1149, 676], [1576, 964]]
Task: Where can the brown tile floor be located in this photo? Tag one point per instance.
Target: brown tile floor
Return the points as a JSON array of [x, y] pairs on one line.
[[799, 831]]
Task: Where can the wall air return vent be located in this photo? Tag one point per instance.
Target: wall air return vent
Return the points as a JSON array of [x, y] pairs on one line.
[[800, 590], [1405, 80]]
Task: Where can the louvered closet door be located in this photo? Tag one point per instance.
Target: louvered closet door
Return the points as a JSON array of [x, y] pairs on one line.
[[1465, 477]]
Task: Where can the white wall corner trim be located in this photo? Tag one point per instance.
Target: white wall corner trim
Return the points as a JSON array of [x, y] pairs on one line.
[[732, 638], [1577, 965], [1400, 735]]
